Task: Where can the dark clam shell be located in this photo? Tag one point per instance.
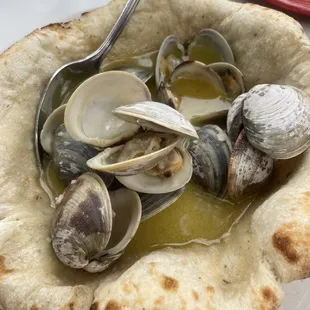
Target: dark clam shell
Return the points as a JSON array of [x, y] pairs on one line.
[[70, 157], [211, 155], [249, 169]]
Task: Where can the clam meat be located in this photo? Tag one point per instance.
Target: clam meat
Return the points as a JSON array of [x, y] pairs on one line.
[[162, 179]]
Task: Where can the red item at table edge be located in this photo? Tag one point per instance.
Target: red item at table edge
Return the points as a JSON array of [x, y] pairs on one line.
[[297, 6]]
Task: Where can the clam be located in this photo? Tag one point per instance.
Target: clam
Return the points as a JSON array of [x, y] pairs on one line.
[[142, 66], [211, 156], [234, 118], [276, 120], [157, 117], [127, 207], [153, 204], [84, 232], [70, 157], [201, 90], [55, 119], [249, 169], [88, 116], [139, 154], [162, 182], [232, 78], [209, 46], [170, 55]]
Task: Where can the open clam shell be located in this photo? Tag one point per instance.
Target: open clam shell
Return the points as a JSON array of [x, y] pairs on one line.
[[232, 78], [108, 160], [170, 55], [202, 92], [158, 117], [154, 204], [209, 46], [82, 222], [127, 207], [150, 184], [234, 118], [89, 117], [211, 156], [249, 169], [55, 119], [276, 120]]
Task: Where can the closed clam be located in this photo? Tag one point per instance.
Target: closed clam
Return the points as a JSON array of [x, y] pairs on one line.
[[249, 169], [82, 232], [276, 120], [89, 117], [211, 156]]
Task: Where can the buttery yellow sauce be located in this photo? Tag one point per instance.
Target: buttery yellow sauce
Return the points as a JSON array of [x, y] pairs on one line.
[[194, 217], [206, 54], [199, 100]]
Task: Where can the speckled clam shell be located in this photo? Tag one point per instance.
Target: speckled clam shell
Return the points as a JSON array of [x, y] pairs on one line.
[[276, 120], [234, 118], [249, 169], [157, 117], [211, 155], [82, 222]]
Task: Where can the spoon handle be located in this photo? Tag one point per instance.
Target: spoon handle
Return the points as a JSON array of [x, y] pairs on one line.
[[117, 29]]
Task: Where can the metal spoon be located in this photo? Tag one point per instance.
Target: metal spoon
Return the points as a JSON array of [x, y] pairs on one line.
[[69, 76]]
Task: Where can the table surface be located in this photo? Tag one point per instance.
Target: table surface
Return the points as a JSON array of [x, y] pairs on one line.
[[20, 17]]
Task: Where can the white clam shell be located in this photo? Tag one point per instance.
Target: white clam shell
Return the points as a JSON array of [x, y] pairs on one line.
[[55, 119], [158, 117], [106, 161], [89, 117], [148, 184], [276, 120]]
